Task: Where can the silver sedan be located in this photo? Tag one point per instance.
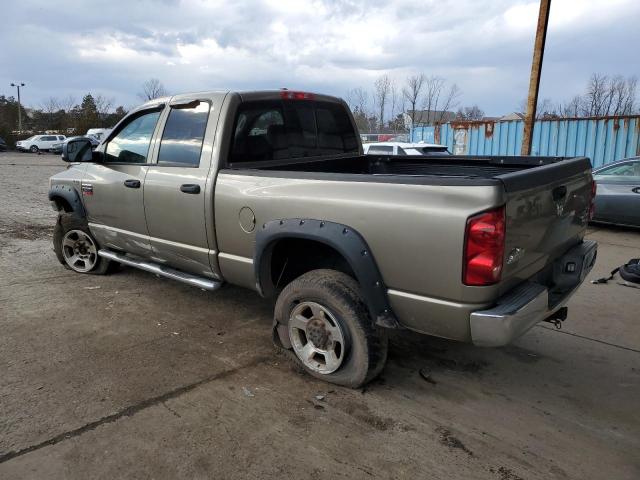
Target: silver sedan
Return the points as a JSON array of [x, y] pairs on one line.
[[618, 193]]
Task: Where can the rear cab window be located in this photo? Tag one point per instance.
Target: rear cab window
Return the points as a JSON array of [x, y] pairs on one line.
[[291, 129]]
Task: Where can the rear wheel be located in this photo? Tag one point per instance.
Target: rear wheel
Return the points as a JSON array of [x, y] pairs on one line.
[[76, 248], [329, 329]]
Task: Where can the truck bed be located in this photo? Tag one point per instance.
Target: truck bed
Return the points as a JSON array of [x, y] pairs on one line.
[[513, 172]]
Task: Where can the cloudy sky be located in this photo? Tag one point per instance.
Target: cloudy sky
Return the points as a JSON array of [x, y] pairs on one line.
[[110, 47]]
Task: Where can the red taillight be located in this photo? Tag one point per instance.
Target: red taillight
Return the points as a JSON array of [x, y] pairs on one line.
[[484, 248], [289, 95], [592, 206]]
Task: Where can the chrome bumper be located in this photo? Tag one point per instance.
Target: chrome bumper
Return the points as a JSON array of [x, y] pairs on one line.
[[517, 313], [524, 306]]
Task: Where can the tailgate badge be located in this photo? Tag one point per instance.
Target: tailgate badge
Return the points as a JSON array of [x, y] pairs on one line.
[[515, 255]]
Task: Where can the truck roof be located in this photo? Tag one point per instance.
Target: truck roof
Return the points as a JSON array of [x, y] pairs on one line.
[[247, 95]]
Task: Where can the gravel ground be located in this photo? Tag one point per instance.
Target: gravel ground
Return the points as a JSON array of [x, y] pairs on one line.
[[133, 376]]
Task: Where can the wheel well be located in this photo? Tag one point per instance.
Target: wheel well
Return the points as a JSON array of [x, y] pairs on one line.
[[62, 205], [292, 257]]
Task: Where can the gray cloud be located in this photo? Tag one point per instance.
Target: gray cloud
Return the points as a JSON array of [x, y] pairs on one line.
[[329, 46]]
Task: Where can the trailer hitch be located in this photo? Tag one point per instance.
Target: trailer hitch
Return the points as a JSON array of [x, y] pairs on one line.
[[558, 317]]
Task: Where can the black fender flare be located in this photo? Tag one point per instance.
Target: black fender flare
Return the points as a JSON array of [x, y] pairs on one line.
[[345, 240], [70, 195]]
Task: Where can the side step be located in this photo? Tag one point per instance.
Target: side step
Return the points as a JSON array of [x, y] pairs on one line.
[[189, 279]]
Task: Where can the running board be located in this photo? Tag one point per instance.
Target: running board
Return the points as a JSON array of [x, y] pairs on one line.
[[189, 279]]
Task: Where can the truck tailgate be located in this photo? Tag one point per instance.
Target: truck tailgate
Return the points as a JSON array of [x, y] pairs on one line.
[[547, 212]]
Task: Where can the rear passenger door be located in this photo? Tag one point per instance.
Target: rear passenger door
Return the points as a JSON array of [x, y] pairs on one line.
[[177, 198]]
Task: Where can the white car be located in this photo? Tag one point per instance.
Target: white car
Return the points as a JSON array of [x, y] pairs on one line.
[[402, 148], [39, 142]]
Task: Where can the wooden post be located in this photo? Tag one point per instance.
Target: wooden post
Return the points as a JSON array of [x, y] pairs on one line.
[[534, 80]]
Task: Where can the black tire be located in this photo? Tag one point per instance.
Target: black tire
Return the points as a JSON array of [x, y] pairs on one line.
[[34, 149], [367, 344], [72, 221]]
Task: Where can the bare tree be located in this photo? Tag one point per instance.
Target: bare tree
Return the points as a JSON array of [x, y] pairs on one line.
[[438, 99], [411, 93], [622, 95], [67, 103], [596, 95], [393, 98], [433, 86], [473, 112], [152, 88], [103, 105], [571, 109], [358, 100], [50, 107], [382, 87], [450, 101]]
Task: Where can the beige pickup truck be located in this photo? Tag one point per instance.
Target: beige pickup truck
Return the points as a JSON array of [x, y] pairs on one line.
[[271, 191]]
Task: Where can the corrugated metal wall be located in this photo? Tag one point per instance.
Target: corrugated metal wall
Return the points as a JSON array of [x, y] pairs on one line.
[[603, 140]]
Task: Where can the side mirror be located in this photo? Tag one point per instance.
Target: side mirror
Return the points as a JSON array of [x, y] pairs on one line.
[[77, 150]]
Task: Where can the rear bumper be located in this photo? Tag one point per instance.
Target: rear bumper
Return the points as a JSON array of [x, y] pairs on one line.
[[530, 303]]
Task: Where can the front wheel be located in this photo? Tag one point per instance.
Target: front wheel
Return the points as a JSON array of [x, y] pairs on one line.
[[75, 247], [34, 149], [329, 329]]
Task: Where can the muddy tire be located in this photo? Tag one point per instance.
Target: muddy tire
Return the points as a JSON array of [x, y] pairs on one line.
[[76, 248], [329, 329]]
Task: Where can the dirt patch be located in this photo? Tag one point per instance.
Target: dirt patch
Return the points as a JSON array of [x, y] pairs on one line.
[[25, 231], [459, 365], [364, 414], [505, 473], [448, 439]]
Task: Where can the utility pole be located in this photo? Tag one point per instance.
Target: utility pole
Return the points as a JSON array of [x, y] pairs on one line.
[[534, 80], [18, 85]]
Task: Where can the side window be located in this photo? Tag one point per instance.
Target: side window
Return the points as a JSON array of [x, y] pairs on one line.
[[624, 170], [401, 151], [183, 135], [131, 144]]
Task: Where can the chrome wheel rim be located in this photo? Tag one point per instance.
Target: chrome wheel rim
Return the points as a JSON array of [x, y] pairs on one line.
[[79, 251], [316, 337]]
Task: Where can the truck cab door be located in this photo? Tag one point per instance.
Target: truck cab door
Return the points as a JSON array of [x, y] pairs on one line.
[[113, 189], [178, 190]]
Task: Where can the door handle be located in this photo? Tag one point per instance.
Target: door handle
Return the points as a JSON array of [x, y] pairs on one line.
[[636, 190], [190, 188], [132, 183]]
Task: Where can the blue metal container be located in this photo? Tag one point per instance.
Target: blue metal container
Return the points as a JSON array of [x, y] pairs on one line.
[[603, 140]]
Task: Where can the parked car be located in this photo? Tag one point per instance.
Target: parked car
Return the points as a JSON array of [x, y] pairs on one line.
[[618, 193], [271, 191], [39, 142], [57, 147], [99, 133], [403, 148], [3, 145]]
